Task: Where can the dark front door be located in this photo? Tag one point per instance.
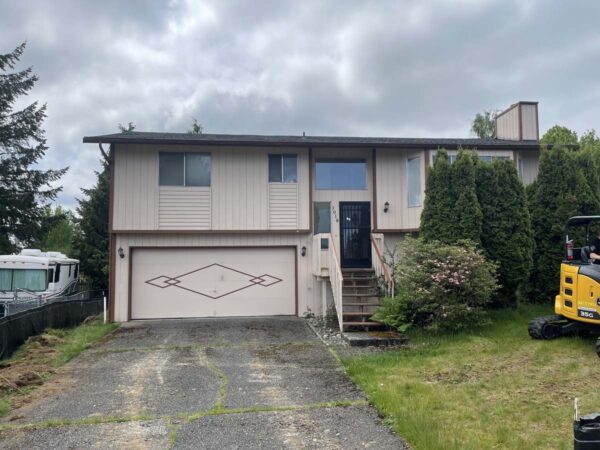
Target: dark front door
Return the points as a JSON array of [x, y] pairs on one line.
[[355, 234]]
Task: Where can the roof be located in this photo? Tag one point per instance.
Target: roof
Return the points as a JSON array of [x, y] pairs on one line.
[[144, 137]]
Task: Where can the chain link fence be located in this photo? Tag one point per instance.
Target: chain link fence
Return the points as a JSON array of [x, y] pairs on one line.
[[29, 316]]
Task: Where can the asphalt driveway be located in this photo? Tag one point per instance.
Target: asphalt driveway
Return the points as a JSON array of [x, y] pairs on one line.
[[205, 383]]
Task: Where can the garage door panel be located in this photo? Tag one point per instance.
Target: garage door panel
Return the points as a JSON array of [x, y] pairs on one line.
[[170, 283]]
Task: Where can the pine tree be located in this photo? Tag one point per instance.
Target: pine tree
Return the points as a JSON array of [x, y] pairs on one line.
[[438, 202], [24, 190], [506, 232], [92, 242], [560, 191], [466, 218]]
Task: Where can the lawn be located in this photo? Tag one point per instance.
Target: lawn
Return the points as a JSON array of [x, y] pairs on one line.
[[490, 389], [36, 360]]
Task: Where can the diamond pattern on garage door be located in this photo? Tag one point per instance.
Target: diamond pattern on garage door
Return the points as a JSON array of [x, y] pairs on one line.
[[214, 281]]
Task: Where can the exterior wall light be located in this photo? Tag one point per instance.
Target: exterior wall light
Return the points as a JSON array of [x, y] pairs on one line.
[[303, 251], [121, 253], [386, 207]]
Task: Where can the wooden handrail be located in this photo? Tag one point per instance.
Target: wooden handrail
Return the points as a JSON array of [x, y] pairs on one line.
[[386, 271], [336, 278]]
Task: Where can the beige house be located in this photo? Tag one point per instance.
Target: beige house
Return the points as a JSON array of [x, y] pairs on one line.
[[205, 225]]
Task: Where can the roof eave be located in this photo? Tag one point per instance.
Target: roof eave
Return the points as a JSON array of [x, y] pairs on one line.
[[312, 144]]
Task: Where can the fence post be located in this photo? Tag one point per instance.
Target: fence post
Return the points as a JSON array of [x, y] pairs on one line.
[[104, 301]]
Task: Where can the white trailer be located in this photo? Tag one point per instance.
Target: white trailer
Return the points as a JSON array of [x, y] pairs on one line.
[[38, 274]]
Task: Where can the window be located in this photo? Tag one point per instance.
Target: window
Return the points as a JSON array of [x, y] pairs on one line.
[[57, 273], [322, 217], [520, 168], [413, 181], [184, 169], [30, 279], [283, 169], [76, 271], [489, 159], [50, 276], [341, 175]]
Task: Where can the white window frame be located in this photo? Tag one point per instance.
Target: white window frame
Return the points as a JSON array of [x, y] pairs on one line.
[[418, 203]]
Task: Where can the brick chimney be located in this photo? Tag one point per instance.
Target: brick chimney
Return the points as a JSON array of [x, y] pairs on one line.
[[519, 122]]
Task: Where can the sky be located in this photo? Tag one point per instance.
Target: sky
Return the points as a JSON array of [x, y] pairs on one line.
[[402, 68]]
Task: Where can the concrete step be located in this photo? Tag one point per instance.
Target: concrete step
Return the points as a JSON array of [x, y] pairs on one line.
[[361, 294]]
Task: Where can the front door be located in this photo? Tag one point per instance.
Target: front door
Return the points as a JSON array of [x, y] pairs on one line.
[[355, 234]]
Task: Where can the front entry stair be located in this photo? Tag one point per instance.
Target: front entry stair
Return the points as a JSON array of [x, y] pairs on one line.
[[360, 300]]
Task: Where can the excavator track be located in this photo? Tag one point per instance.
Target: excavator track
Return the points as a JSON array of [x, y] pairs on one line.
[[546, 327]]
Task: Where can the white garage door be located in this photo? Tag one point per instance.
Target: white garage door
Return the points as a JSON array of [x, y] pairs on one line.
[[196, 282]]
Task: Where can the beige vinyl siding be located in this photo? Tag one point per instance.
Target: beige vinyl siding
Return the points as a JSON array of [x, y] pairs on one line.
[[308, 287], [529, 122], [507, 125], [239, 192], [135, 199], [283, 206], [184, 208], [392, 187]]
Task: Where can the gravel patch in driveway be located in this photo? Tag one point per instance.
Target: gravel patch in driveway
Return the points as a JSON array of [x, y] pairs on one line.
[[132, 435], [210, 332], [282, 375], [324, 428], [128, 383]]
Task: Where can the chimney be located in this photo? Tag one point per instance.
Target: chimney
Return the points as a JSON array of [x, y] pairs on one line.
[[519, 122]]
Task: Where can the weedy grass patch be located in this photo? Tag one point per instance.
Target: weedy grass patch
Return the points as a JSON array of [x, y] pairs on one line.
[[38, 358], [489, 388]]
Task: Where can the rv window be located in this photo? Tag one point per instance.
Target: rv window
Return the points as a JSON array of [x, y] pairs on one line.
[[6, 279], [76, 271], [50, 276], [57, 273], [30, 279], [69, 270]]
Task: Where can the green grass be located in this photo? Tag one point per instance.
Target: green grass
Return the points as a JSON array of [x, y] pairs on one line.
[[59, 347], [494, 388]]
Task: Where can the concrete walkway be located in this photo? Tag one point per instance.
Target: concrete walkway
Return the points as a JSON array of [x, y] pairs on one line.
[[264, 383]]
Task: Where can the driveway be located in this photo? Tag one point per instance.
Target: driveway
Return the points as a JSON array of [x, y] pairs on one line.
[[204, 383]]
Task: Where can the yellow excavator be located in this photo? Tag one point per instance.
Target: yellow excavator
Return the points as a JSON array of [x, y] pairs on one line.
[[577, 306]]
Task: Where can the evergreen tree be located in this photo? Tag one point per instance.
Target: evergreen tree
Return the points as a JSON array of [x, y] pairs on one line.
[[559, 135], [92, 241], [438, 202], [24, 190], [57, 231], [560, 191], [466, 217], [506, 232]]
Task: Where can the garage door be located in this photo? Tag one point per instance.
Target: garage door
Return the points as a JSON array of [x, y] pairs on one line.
[[197, 282]]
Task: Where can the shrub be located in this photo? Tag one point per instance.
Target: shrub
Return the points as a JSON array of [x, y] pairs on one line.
[[440, 287]]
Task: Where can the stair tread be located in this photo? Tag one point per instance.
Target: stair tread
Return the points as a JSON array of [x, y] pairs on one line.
[[365, 324], [372, 294], [362, 304], [358, 314]]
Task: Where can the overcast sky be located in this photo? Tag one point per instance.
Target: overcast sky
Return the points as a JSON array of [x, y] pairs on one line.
[[361, 68]]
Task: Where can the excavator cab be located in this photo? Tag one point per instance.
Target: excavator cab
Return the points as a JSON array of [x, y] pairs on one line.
[[577, 305]]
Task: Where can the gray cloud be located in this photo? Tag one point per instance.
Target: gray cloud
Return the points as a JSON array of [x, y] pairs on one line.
[[393, 68]]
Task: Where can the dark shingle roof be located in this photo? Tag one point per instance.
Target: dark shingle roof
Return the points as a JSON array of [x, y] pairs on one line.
[[143, 137]]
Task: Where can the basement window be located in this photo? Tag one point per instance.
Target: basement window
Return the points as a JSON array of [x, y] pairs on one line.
[[184, 169]]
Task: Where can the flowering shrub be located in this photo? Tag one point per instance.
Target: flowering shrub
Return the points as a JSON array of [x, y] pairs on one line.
[[439, 286]]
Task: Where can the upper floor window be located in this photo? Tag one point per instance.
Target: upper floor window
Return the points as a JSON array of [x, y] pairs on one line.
[[413, 181], [283, 169], [341, 175], [184, 169]]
